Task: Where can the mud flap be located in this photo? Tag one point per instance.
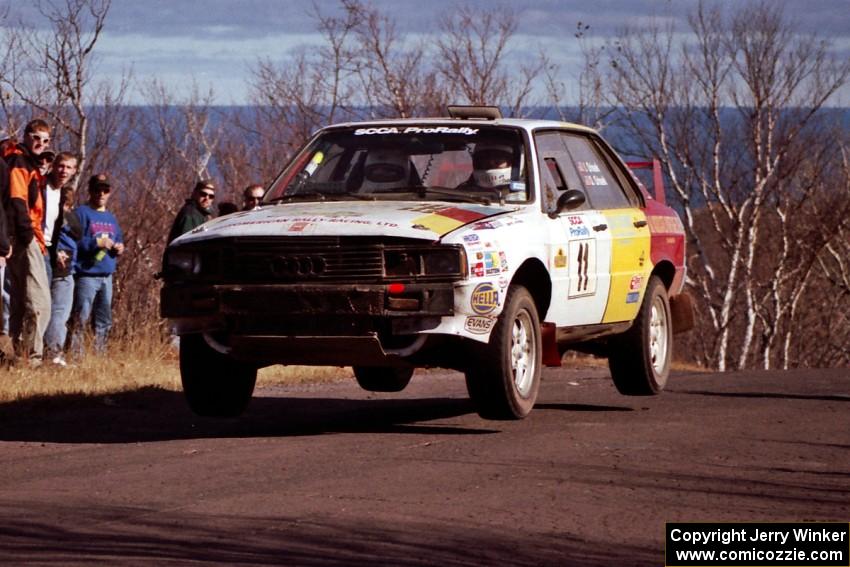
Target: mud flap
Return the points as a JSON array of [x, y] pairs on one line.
[[551, 354]]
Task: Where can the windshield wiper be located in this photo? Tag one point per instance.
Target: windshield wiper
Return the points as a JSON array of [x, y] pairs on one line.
[[459, 194]]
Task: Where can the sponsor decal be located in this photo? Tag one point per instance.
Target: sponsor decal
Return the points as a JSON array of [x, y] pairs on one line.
[[485, 298], [633, 297], [446, 219], [479, 325], [415, 130], [560, 259], [503, 283], [582, 267], [579, 231], [298, 226], [634, 283], [587, 167], [664, 224], [471, 238], [478, 269], [315, 219], [575, 220], [493, 262], [503, 260], [486, 225]]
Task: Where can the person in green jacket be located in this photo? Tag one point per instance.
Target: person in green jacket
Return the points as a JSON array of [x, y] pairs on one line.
[[196, 211]]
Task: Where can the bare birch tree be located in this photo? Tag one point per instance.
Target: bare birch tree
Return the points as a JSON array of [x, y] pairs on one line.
[[729, 114]]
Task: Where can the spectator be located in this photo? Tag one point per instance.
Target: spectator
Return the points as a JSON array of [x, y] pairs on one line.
[[30, 289], [7, 352], [196, 211], [63, 255], [227, 208], [100, 245], [251, 197], [63, 169]]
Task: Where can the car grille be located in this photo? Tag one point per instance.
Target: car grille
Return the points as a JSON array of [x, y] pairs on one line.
[[299, 259]]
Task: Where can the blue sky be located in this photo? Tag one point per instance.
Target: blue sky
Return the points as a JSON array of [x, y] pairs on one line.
[[216, 42]]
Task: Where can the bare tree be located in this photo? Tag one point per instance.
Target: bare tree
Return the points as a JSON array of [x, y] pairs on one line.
[[471, 52], [54, 69], [730, 115]]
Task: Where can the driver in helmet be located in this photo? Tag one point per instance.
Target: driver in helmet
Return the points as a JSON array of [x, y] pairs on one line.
[[492, 165], [385, 170]]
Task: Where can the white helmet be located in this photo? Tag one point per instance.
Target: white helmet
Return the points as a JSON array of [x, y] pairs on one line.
[[491, 164], [385, 169]]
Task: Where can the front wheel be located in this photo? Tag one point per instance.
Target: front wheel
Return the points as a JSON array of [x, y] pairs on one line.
[[505, 377], [639, 359], [382, 379], [215, 385]]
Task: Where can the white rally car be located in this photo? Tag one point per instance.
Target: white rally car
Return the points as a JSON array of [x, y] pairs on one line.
[[476, 243]]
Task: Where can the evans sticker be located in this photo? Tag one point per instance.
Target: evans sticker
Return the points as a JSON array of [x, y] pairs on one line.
[[479, 325]]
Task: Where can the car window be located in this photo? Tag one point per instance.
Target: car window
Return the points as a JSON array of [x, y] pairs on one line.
[[556, 168], [601, 185]]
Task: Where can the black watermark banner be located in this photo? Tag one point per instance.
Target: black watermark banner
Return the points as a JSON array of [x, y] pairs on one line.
[[804, 544]]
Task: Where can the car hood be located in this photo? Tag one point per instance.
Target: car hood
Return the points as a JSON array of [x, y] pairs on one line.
[[403, 219]]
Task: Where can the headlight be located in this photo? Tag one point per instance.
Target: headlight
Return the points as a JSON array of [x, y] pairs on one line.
[[183, 262], [441, 261]]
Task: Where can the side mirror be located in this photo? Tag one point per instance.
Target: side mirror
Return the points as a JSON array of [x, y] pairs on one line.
[[569, 200]]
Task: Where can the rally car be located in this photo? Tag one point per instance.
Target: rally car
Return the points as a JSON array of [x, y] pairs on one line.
[[473, 242]]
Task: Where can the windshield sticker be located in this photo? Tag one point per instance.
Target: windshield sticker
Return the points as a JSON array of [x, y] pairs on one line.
[[517, 186], [314, 163], [485, 298], [464, 130]]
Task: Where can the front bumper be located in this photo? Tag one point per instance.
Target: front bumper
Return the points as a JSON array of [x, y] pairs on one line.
[[299, 309]]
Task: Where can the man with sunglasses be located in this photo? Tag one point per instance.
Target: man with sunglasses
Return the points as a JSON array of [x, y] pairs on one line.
[[30, 288], [196, 211], [97, 256]]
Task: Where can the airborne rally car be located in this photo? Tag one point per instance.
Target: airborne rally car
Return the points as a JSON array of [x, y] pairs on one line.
[[476, 243]]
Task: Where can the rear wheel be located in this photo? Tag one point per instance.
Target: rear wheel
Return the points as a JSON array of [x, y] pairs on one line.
[[639, 359], [215, 385], [382, 379], [505, 379]]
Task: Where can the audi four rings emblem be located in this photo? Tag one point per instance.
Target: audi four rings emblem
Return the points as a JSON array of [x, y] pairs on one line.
[[291, 266]]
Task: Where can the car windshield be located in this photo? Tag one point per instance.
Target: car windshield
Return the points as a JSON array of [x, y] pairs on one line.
[[434, 162]]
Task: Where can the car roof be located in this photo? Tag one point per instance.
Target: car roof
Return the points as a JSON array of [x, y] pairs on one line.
[[523, 123]]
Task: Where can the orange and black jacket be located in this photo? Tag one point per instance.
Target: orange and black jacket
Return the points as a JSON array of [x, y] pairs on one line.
[[23, 202], [4, 190]]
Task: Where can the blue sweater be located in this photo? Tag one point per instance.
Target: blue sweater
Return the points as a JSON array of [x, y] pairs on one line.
[[91, 259]]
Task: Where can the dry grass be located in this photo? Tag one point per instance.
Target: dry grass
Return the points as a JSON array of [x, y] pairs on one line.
[[125, 369]]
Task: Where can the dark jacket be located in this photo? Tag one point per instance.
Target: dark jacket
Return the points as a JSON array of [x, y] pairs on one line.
[[4, 196], [67, 239], [188, 218]]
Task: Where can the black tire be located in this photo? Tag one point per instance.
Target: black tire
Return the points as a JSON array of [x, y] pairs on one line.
[[215, 385], [505, 378], [382, 379], [639, 359]]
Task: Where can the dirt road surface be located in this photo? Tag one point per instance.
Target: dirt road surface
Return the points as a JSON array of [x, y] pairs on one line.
[[331, 475]]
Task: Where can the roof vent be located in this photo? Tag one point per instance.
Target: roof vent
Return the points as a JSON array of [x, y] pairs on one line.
[[468, 112]]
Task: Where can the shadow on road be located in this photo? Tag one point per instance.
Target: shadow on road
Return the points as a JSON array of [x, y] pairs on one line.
[[122, 535], [154, 414], [777, 395]]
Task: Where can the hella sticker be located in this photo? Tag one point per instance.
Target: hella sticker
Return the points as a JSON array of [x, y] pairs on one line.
[[485, 298]]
